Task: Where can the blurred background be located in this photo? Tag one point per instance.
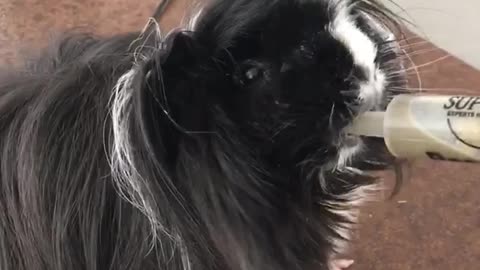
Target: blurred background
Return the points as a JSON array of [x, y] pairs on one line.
[[434, 223]]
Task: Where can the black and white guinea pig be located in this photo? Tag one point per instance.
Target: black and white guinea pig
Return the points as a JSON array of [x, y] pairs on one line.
[[220, 146]]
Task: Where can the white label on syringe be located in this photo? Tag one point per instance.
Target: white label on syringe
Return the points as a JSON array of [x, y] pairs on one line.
[[453, 122]]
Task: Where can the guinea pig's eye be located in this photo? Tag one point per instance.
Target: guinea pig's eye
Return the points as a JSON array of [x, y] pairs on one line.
[[249, 72], [252, 73]]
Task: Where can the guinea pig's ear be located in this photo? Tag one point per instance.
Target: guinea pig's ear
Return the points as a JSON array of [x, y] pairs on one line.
[[168, 85], [180, 51]]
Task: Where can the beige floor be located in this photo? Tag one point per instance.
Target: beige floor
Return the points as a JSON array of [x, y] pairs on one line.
[[434, 224]]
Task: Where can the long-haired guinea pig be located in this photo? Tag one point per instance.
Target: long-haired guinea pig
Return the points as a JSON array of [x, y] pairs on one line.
[[220, 146]]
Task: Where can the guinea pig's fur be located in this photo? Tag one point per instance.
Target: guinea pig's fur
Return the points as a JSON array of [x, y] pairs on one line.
[[220, 146]]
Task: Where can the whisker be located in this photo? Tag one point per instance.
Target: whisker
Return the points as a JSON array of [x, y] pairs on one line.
[[407, 77], [420, 52], [456, 90], [395, 72], [419, 79], [330, 119], [431, 62], [410, 73], [410, 45], [409, 39], [282, 128]]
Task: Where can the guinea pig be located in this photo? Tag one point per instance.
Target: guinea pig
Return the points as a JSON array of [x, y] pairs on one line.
[[221, 145]]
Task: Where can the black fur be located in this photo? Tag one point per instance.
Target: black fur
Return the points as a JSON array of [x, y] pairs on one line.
[[230, 126]]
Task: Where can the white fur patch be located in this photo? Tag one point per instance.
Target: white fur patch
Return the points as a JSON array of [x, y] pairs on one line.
[[349, 210], [361, 47], [346, 153], [193, 20], [363, 51], [131, 186], [193, 14]]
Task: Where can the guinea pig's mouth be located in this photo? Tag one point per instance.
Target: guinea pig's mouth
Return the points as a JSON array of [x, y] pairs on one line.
[[350, 145], [349, 140]]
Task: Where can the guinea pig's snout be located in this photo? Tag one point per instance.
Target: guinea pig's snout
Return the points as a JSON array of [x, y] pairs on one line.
[[372, 91], [366, 88]]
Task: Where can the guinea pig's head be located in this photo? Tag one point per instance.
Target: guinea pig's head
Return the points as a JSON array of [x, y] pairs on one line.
[[291, 75], [245, 113]]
